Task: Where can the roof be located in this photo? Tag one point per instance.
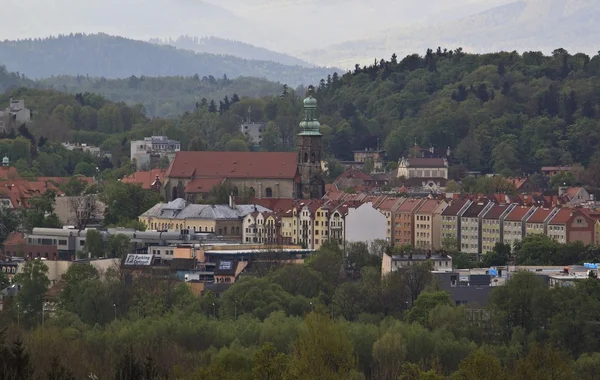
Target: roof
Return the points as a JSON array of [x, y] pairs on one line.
[[562, 216], [426, 162], [409, 205], [455, 206], [180, 209], [354, 174], [495, 212], [518, 213], [20, 191], [573, 191], [233, 165], [429, 206], [475, 209], [539, 215], [275, 204], [389, 203], [517, 182], [146, 178], [8, 172], [555, 168], [14, 238], [203, 185]]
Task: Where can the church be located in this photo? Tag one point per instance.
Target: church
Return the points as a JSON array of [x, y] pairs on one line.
[[297, 175]]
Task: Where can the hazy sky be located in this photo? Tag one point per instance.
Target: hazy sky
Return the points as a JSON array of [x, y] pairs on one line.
[[285, 25]]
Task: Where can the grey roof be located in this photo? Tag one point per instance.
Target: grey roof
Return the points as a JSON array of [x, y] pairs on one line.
[[180, 209]]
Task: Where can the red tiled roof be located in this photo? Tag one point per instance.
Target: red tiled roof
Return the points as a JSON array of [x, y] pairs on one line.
[[428, 206], [517, 214], [14, 238], [277, 205], [562, 216], [426, 162], [330, 187], [495, 212], [388, 204], [555, 168], [409, 205], [8, 172], [334, 194], [146, 179], [19, 191], [233, 165], [354, 174], [203, 185], [539, 215], [572, 191]]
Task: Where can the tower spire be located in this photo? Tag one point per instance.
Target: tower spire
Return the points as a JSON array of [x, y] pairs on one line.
[[310, 126]]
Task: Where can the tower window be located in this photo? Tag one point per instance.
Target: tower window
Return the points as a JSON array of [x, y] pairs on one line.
[[305, 157]]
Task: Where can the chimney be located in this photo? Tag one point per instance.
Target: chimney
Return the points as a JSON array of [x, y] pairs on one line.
[[231, 201], [562, 190]]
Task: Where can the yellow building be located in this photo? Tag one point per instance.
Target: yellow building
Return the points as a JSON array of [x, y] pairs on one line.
[[492, 224], [321, 225]]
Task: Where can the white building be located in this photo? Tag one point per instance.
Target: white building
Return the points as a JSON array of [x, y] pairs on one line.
[[428, 174], [254, 131], [93, 150], [147, 152], [365, 224], [15, 113]]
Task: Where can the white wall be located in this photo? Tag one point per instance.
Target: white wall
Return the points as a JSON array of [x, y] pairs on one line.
[[365, 224]]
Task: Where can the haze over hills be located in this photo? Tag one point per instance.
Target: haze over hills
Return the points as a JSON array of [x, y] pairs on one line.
[[521, 25], [215, 45], [101, 55]]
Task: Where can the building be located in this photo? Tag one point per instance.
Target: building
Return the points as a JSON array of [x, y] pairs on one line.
[[15, 114], [403, 219], [149, 180], [451, 223], [374, 156], [537, 222], [551, 171], [513, 226], [192, 175], [492, 223], [576, 196], [470, 229], [146, 153], [17, 193], [388, 208], [90, 149], [74, 210], [524, 185], [392, 263], [364, 224], [569, 225], [179, 215], [354, 179], [426, 174], [427, 224], [253, 131]]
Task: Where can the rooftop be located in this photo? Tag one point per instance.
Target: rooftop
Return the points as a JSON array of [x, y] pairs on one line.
[[475, 209], [495, 212], [180, 209], [426, 162], [539, 215], [518, 213], [455, 206]]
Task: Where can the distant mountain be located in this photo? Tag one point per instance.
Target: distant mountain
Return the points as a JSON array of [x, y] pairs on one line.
[[541, 25], [101, 55], [216, 45]]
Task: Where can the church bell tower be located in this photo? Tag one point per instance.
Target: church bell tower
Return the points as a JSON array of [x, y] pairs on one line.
[[312, 185]]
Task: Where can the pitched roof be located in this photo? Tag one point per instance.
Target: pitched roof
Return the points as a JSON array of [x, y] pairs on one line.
[[14, 238], [517, 214], [573, 191], [275, 204], [354, 174], [475, 209], [428, 206], [146, 178], [539, 215], [495, 212], [409, 205], [8, 172], [389, 203], [20, 191], [455, 206], [426, 162], [180, 209], [233, 165], [562, 216], [203, 185]]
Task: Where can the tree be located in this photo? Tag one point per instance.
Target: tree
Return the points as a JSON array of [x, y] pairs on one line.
[[76, 274], [94, 243], [41, 212], [425, 303], [197, 144], [126, 201], [34, 282], [236, 145], [58, 371], [268, 363], [417, 277], [10, 222], [83, 208], [118, 245], [481, 366], [544, 363], [322, 351]]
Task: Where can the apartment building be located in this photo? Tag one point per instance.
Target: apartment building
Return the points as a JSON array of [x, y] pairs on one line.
[[513, 225], [492, 224], [403, 219], [427, 224], [451, 221], [470, 230], [365, 224], [388, 207], [569, 225], [537, 222]]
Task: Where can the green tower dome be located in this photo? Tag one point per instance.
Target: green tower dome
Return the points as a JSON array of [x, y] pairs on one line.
[[5, 161], [310, 126]]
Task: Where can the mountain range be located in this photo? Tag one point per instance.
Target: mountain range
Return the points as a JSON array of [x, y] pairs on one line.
[[102, 55]]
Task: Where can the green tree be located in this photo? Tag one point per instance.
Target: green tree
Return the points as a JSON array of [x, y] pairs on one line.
[[479, 365], [236, 145], [268, 363], [425, 303], [118, 245], [94, 243], [322, 351], [126, 201], [34, 282], [10, 222]]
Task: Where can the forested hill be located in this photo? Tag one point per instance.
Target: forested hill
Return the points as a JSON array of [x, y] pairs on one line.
[[101, 55], [502, 112], [215, 45]]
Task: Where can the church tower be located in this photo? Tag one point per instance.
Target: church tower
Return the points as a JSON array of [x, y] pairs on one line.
[[312, 184]]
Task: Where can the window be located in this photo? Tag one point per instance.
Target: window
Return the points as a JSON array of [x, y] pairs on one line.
[[268, 192]]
